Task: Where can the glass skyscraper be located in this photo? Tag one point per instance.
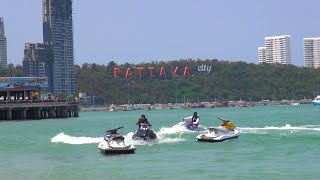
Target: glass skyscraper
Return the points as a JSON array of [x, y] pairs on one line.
[[58, 32], [3, 46]]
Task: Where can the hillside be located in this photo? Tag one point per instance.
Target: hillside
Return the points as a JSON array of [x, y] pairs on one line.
[[226, 81]]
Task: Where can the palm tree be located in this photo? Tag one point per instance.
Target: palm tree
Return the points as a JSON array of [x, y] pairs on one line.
[[61, 95]]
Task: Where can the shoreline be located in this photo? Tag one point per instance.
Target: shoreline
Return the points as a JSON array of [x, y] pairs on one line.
[[148, 107]]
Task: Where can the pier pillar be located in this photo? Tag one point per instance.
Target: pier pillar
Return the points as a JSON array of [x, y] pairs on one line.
[[65, 113], [38, 113], [2, 117], [76, 113], [53, 113], [8, 94], [58, 113], [24, 114], [9, 114]]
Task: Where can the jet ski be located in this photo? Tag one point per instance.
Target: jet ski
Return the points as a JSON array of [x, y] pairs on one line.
[[144, 133], [221, 133], [113, 143], [187, 125]]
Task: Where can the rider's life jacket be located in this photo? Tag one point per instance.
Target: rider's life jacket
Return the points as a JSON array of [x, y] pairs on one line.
[[140, 121], [229, 126], [194, 119]]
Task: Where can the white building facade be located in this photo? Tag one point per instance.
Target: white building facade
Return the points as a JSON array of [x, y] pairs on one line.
[[262, 54], [277, 50], [311, 49]]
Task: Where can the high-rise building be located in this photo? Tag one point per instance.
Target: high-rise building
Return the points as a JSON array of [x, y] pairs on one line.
[[311, 48], [58, 31], [3, 45], [262, 54], [277, 50], [38, 62]]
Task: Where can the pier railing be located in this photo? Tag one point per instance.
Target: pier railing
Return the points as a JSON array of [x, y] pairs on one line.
[[36, 103]]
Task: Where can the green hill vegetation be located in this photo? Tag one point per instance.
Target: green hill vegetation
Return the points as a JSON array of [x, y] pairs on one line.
[[11, 71], [226, 81]]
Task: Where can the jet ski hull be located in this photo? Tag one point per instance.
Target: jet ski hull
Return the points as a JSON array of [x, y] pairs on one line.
[[199, 128], [104, 151], [148, 135], [215, 140], [115, 146], [218, 134]]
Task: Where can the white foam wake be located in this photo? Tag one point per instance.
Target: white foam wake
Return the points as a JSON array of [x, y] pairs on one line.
[[173, 130], [63, 138], [286, 127], [161, 139], [66, 139], [179, 128]]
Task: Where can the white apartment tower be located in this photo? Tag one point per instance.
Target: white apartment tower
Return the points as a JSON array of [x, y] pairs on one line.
[[311, 48], [262, 54], [277, 50], [3, 46]]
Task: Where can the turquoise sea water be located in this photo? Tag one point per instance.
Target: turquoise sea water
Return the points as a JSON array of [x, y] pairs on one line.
[[277, 142]]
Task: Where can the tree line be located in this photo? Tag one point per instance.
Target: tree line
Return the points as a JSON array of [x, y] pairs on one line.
[[226, 81]]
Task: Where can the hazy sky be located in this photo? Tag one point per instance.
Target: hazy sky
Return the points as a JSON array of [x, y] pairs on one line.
[[145, 30]]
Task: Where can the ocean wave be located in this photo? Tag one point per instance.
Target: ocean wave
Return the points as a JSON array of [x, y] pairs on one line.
[[179, 128], [264, 130], [161, 139], [64, 138]]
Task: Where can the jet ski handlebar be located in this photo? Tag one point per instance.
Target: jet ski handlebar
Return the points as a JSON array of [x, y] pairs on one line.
[[144, 124], [223, 119], [114, 130]]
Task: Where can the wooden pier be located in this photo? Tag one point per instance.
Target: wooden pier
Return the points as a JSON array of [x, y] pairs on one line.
[[38, 109], [20, 98]]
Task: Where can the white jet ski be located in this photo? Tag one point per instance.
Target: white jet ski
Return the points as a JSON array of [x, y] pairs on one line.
[[187, 125], [221, 133], [113, 143]]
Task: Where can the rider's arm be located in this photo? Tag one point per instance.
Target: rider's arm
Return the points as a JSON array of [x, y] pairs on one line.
[[148, 123], [187, 118], [196, 122]]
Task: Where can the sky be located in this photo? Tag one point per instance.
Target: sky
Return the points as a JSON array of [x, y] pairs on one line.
[[144, 31]]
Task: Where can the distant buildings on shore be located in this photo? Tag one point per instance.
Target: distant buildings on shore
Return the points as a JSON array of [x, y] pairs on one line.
[[3, 45], [54, 57], [311, 47], [38, 61], [277, 50]]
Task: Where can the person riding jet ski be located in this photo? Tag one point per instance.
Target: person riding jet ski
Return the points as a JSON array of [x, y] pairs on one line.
[[225, 131], [227, 124], [195, 119], [113, 143], [143, 120], [144, 132]]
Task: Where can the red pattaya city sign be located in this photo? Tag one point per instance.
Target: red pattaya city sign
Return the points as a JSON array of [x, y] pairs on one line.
[[162, 72]]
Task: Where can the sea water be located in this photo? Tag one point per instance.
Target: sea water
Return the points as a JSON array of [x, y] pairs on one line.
[[277, 142]]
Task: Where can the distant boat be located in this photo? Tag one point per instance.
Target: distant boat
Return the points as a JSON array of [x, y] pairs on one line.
[[198, 106], [316, 101], [243, 104], [223, 104], [295, 104]]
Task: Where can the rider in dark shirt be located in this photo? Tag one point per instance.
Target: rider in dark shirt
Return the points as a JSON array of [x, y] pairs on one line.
[[144, 120]]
